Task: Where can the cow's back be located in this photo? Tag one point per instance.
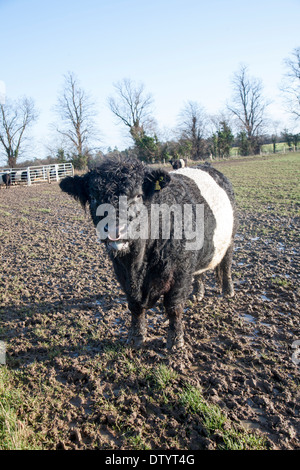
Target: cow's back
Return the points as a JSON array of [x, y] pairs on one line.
[[214, 190]]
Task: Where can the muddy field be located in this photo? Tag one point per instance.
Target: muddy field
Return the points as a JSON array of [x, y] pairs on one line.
[[72, 383]]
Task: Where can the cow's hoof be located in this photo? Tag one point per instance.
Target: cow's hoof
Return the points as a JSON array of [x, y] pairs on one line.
[[195, 298], [229, 291], [198, 293], [174, 341], [135, 341]]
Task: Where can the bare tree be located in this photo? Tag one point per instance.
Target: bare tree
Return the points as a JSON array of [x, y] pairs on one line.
[[192, 128], [133, 107], [15, 119], [249, 106], [291, 83], [77, 112]]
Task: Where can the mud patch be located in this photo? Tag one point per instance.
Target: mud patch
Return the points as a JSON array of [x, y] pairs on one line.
[[64, 320]]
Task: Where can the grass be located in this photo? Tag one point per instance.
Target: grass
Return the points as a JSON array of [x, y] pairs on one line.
[[279, 281], [163, 376], [3, 212], [46, 211], [264, 183], [15, 433], [215, 421], [266, 148]]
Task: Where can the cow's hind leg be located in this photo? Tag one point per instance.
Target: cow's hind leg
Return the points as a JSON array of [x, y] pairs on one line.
[[198, 288], [137, 331], [223, 272]]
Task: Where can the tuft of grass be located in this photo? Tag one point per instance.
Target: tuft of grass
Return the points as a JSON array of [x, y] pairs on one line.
[[137, 442], [279, 281], [192, 399], [15, 433], [44, 210], [215, 421], [163, 375], [4, 212]]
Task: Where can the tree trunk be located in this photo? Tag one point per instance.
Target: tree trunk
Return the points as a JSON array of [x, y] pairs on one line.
[[12, 159]]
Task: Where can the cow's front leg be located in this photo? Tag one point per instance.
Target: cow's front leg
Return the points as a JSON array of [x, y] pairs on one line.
[[175, 333], [137, 331]]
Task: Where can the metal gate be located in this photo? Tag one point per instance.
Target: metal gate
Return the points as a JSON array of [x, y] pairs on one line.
[[38, 174]]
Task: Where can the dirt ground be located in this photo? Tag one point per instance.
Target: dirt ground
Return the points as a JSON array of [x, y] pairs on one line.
[[64, 320]]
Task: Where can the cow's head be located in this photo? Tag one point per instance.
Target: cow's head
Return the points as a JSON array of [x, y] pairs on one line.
[[116, 185]]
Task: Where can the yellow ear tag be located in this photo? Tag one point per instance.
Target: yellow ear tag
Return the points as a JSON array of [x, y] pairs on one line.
[[157, 186]]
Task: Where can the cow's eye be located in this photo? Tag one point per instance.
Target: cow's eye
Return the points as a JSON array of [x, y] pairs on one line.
[[138, 197]]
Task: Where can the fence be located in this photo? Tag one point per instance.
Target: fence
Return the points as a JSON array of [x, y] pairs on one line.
[[38, 174]]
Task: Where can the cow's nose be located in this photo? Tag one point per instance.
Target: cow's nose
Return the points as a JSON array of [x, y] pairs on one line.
[[117, 234]]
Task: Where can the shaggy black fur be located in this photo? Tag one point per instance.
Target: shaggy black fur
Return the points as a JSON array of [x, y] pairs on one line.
[[6, 179], [149, 269]]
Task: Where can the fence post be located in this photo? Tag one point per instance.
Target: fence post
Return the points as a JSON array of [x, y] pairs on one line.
[[28, 176], [56, 172]]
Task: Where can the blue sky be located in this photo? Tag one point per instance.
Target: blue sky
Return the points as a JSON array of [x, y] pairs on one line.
[[180, 49]]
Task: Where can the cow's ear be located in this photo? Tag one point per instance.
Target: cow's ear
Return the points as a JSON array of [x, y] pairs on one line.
[[76, 186], [154, 181]]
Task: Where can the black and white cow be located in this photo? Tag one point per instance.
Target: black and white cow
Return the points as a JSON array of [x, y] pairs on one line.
[[180, 163], [148, 268], [19, 176], [5, 179]]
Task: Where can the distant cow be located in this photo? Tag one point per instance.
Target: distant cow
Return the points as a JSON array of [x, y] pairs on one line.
[[5, 179], [19, 175], [180, 163], [152, 265]]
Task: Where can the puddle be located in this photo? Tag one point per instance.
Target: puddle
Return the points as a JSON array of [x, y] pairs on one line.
[[249, 318], [284, 313], [250, 425], [265, 298]]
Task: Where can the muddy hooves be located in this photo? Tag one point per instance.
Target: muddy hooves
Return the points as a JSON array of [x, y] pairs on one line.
[[135, 342]]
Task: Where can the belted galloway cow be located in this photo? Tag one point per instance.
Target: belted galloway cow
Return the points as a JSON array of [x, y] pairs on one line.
[[175, 226], [5, 179], [179, 163]]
